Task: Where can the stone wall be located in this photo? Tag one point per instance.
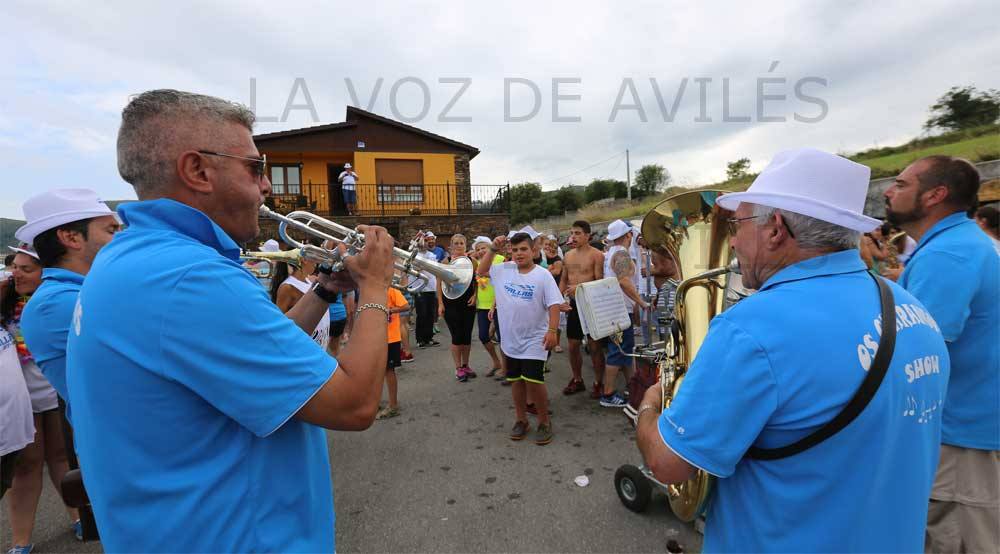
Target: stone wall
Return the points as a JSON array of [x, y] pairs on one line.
[[463, 193], [405, 228]]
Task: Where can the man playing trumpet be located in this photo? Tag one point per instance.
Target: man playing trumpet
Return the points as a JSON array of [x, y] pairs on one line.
[[200, 408]]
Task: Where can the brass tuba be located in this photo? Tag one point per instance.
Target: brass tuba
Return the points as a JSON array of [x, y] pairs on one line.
[[693, 231]]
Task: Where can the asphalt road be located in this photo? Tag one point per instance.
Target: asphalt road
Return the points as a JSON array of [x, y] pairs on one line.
[[444, 477]]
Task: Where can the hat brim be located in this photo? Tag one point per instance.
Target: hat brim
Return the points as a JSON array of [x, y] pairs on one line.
[[801, 205], [24, 251], [27, 232]]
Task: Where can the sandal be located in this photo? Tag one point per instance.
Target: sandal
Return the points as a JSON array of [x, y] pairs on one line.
[[493, 372], [574, 386]]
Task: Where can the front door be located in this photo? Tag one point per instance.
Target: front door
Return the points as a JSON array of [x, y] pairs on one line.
[[337, 206]]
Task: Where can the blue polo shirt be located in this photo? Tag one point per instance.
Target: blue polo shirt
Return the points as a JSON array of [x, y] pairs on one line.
[[45, 323], [782, 363], [185, 380], [955, 272]]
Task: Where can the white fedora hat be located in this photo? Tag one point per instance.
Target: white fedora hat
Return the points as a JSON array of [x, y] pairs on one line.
[[53, 208], [24, 249], [813, 183]]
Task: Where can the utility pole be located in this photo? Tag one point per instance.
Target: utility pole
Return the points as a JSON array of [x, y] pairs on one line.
[[628, 177]]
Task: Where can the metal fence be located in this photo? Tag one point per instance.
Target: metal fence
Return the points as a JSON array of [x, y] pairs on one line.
[[392, 199]]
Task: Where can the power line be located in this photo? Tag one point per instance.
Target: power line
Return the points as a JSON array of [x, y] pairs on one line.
[[552, 181]]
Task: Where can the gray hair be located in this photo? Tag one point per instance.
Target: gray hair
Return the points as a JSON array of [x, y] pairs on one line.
[[811, 233], [152, 124]]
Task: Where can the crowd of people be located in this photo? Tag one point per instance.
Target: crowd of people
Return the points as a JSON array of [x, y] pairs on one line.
[[195, 398]]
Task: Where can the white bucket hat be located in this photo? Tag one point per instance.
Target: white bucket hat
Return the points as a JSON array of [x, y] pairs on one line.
[[53, 208], [813, 183], [618, 229]]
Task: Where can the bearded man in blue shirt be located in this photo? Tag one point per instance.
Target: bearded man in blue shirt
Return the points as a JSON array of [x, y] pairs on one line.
[[785, 361], [199, 407], [955, 272]]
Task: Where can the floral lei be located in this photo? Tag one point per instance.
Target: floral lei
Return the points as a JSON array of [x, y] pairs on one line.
[[15, 328]]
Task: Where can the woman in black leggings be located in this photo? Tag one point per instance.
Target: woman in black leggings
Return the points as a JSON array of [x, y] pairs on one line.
[[460, 315]]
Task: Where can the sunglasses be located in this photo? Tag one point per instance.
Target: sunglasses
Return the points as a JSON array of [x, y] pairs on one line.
[[258, 168]]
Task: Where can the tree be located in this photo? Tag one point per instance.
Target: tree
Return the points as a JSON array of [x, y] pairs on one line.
[[526, 202], [567, 199], [964, 107], [599, 189], [738, 169], [650, 179]]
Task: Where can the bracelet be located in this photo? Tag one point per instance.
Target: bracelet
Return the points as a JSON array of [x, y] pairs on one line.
[[551, 330], [364, 307], [325, 295], [643, 408]]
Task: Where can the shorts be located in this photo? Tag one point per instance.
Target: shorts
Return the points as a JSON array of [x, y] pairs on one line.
[[350, 196], [483, 321], [460, 320], [965, 502], [532, 371], [573, 329], [616, 355], [394, 359], [337, 328]]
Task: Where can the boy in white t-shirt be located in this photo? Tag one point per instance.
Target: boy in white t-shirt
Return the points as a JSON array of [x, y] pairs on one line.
[[528, 303]]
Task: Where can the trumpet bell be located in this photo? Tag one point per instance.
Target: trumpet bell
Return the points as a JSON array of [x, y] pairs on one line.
[[462, 270]]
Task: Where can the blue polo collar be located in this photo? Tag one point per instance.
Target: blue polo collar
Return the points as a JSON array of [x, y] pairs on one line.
[[170, 215], [61, 275], [845, 261], [946, 223]]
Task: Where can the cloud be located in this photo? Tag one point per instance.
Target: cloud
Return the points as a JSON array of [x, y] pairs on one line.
[[883, 65]]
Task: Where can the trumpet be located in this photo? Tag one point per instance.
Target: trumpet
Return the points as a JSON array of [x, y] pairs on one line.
[[455, 277]]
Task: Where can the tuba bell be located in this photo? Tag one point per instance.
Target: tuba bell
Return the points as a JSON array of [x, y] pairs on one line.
[[692, 230]]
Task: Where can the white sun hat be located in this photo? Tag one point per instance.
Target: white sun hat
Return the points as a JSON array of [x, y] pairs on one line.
[[618, 229], [813, 183], [53, 208], [481, 239]]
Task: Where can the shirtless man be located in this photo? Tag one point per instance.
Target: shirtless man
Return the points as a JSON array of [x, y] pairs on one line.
[[582, 264]]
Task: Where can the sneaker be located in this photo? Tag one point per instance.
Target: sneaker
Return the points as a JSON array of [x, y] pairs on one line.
[[460, 375], [598, 391], [520, 430], [543, 435], [422, 345], [78, 530], [26, 549], [613, 400], [433, 343], [469, 372], [406, 357], [436, 330], [574, 386], [387, 412]]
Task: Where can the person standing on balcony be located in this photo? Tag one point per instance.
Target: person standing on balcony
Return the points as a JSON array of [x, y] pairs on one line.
[[348, 178]]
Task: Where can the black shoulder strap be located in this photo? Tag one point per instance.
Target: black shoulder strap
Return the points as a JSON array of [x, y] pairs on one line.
[[864, 394]]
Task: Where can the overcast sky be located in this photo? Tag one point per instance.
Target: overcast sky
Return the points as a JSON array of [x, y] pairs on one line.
[[867, 72]]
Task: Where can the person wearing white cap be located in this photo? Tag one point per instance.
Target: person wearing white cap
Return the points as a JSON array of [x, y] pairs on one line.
[[955, 272], [191, 392], [784, 362], [348, 180], [68, 227], [47, 446]]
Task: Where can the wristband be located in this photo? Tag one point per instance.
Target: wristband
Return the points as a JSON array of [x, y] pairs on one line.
[[325, 295], [552, 330]]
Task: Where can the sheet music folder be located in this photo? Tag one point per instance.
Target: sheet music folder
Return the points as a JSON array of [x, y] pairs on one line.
[[602, 308]]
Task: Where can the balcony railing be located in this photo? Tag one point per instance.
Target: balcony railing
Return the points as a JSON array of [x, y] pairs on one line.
[[395, 199]]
